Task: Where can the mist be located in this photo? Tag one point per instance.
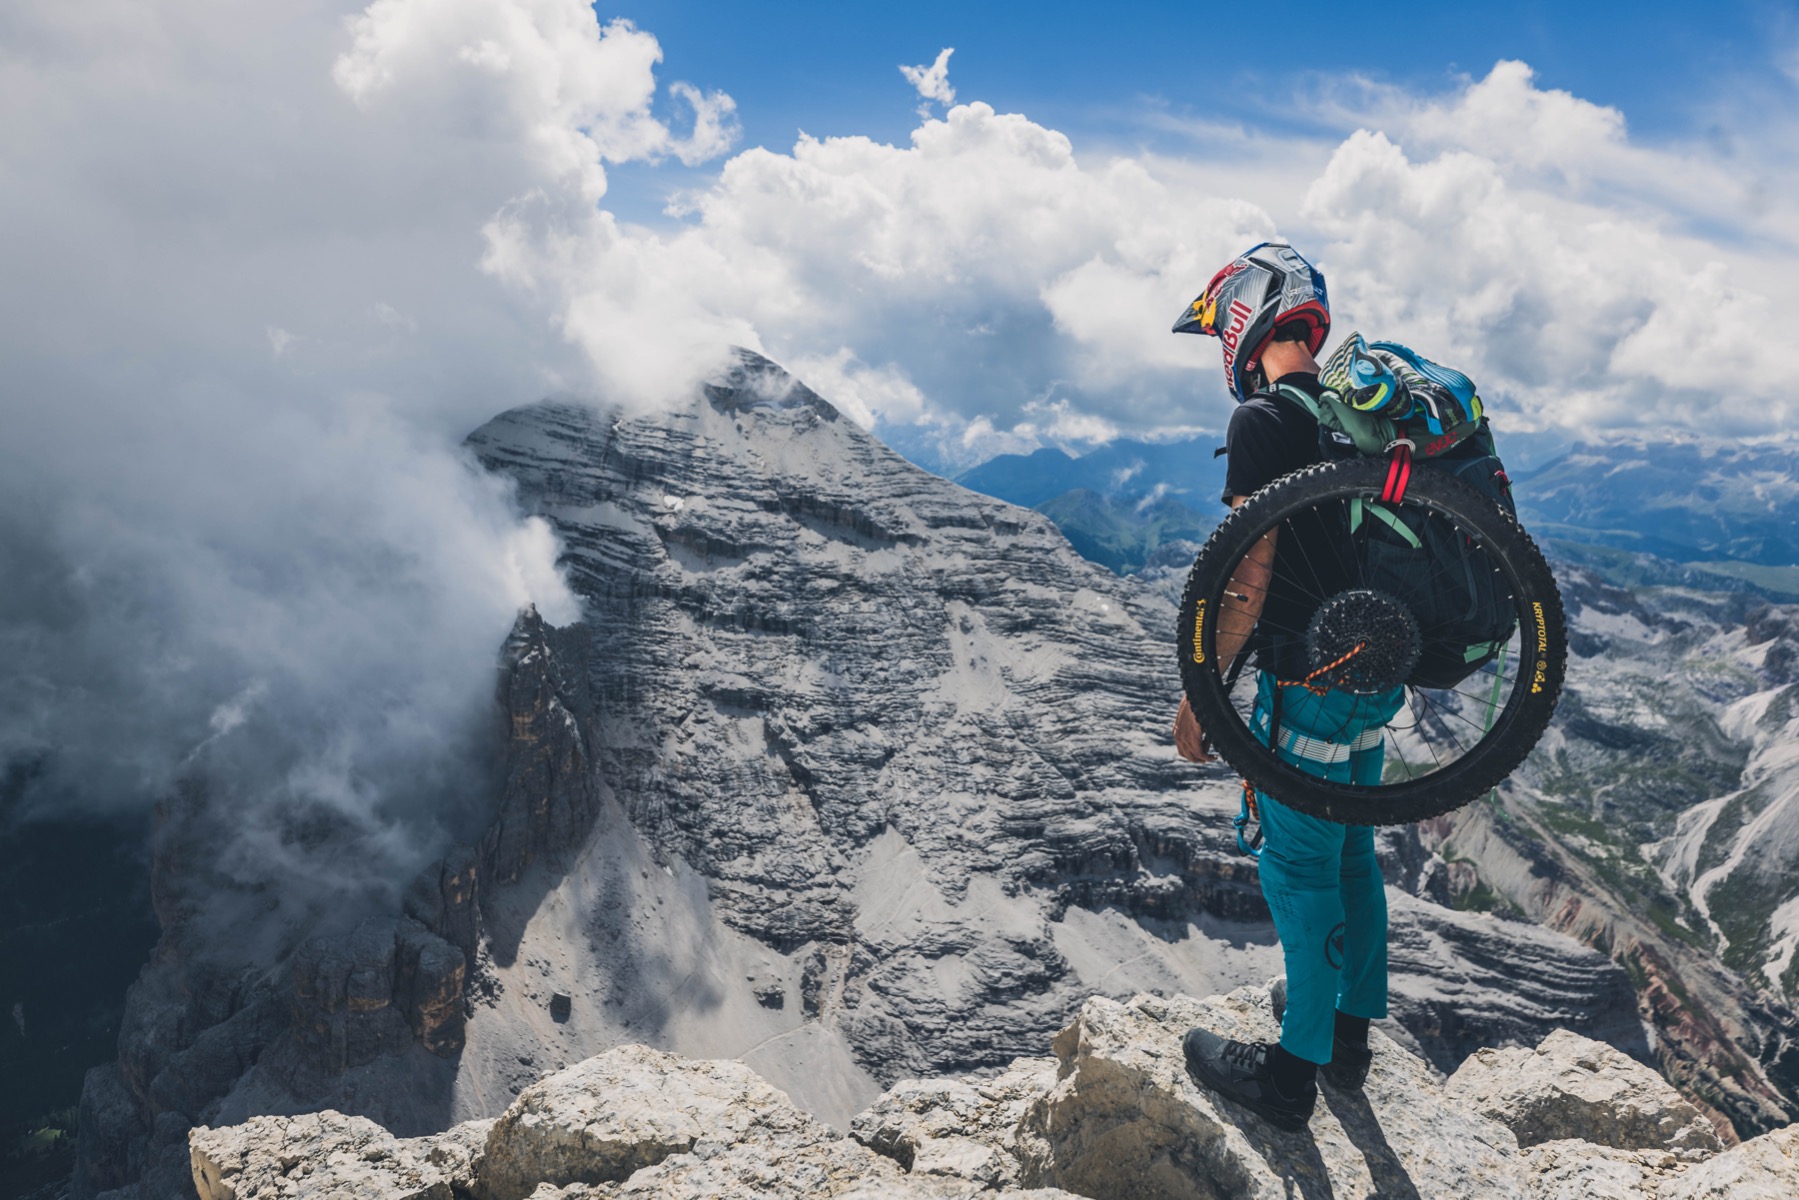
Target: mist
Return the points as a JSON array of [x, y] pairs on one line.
[[245, 323]]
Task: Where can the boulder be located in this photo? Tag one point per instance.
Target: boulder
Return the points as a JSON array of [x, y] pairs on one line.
[[1113, 1116], [1763, 1168], [629, 1108], [958, 1129], [1124, 1119], [1574, 1087], [1571, 1170], [330, 1156]]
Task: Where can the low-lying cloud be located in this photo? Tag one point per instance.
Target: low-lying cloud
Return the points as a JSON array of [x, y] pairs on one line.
[[253, 303]]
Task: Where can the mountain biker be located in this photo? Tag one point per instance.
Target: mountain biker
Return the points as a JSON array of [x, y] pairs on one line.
[[1270, 310]]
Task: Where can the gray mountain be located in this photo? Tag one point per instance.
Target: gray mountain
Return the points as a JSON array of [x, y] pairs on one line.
[[846, 771], [1684, 498], [1657, 822]]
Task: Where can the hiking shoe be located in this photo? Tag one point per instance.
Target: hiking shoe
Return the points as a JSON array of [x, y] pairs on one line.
[[1239, 1071], [1347, 1070]]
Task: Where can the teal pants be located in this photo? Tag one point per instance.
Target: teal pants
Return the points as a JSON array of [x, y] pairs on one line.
[[1320, 878]]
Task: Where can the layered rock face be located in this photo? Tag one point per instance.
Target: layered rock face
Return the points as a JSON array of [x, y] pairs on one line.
[[1114, 1114], [1659, 822], [244, 1009], [846, 772], [917, 747]]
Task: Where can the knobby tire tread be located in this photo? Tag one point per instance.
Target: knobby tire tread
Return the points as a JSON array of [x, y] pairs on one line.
[[1500, 752]]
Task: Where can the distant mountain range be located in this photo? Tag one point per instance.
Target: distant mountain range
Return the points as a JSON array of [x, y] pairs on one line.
[[1728, 510], [1118, 503]]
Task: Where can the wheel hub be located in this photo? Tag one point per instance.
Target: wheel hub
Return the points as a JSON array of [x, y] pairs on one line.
[[1367, 641]]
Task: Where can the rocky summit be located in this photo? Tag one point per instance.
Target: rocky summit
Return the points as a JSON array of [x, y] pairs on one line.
[[845, 773], [1113, 1115]]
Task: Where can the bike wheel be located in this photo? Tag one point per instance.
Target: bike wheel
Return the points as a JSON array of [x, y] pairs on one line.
[[1445, 745]]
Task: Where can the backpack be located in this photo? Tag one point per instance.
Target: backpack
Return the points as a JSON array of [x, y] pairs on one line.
[[1381, 394]]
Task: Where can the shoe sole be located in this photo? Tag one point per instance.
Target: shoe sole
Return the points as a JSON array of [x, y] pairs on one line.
[[1285, 1121]]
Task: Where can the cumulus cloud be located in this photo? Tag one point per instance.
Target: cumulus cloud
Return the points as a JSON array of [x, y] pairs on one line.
[[932, 82], [1512, 229], [1015, 293], [1582, 306], [972, 274]]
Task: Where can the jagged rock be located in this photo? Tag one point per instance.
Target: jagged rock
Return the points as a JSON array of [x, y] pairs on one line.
[[108, 1120], [343, 996], [429, 974], [627, 1109], [786, 1170], [329, 1156], [962, 1129], [1574, 1087], [1573, 1170], [550, 798], [1125, 1120], [445, 899], [1114, 1116], [630, 1123], [1763, 1168]]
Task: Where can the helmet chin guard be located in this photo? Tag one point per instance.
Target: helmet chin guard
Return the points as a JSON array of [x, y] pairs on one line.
[[1268, 286]]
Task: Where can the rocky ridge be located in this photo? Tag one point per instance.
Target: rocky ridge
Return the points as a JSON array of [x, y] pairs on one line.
[[846, 772], [1113, 1114], [1659, 822]]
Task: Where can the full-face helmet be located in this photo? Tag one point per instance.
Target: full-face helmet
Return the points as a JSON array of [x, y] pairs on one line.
[[1261, 290]]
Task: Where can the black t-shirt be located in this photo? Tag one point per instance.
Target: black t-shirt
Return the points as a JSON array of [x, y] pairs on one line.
[[1271, 436]]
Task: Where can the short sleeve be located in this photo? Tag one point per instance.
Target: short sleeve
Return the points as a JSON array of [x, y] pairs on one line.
[[1258, 449]]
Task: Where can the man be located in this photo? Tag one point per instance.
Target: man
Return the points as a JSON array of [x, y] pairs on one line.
[[1270, 310]]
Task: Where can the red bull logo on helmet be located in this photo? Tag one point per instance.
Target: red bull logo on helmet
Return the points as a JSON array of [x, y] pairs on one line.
[[1240, 313]]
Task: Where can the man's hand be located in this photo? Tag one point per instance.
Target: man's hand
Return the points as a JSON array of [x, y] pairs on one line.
[[1189, 738]]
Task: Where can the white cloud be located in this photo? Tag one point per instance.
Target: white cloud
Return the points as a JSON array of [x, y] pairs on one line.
[[1150, 497], [543, 75], [267, 561], [715, 128], [1578, 311], [932, 82], [867, 395], [985, 266]]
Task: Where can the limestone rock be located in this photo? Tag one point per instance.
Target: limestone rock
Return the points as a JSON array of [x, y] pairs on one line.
[[961, 1129], [1763, 1168], [629, 1108], [1573, 1170], [1124, 1119], [550, 799], [786, 1169], [429, 974], [1573, 1087], [329, 1156], [898, 735], [1114, 1116]]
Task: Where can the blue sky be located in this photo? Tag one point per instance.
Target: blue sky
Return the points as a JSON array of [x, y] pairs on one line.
[[1677, 71]]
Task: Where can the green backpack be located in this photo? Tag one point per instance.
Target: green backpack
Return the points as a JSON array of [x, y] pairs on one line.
[[1383, 400]]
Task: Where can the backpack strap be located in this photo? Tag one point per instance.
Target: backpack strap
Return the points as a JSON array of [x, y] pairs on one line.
[[1399, 472], [1371, 433]]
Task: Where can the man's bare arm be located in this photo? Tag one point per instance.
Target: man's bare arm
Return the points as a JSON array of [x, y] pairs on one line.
[[1237, 617], [1244, 596]]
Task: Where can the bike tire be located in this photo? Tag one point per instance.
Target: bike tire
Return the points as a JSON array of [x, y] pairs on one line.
[[1512, 730]]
